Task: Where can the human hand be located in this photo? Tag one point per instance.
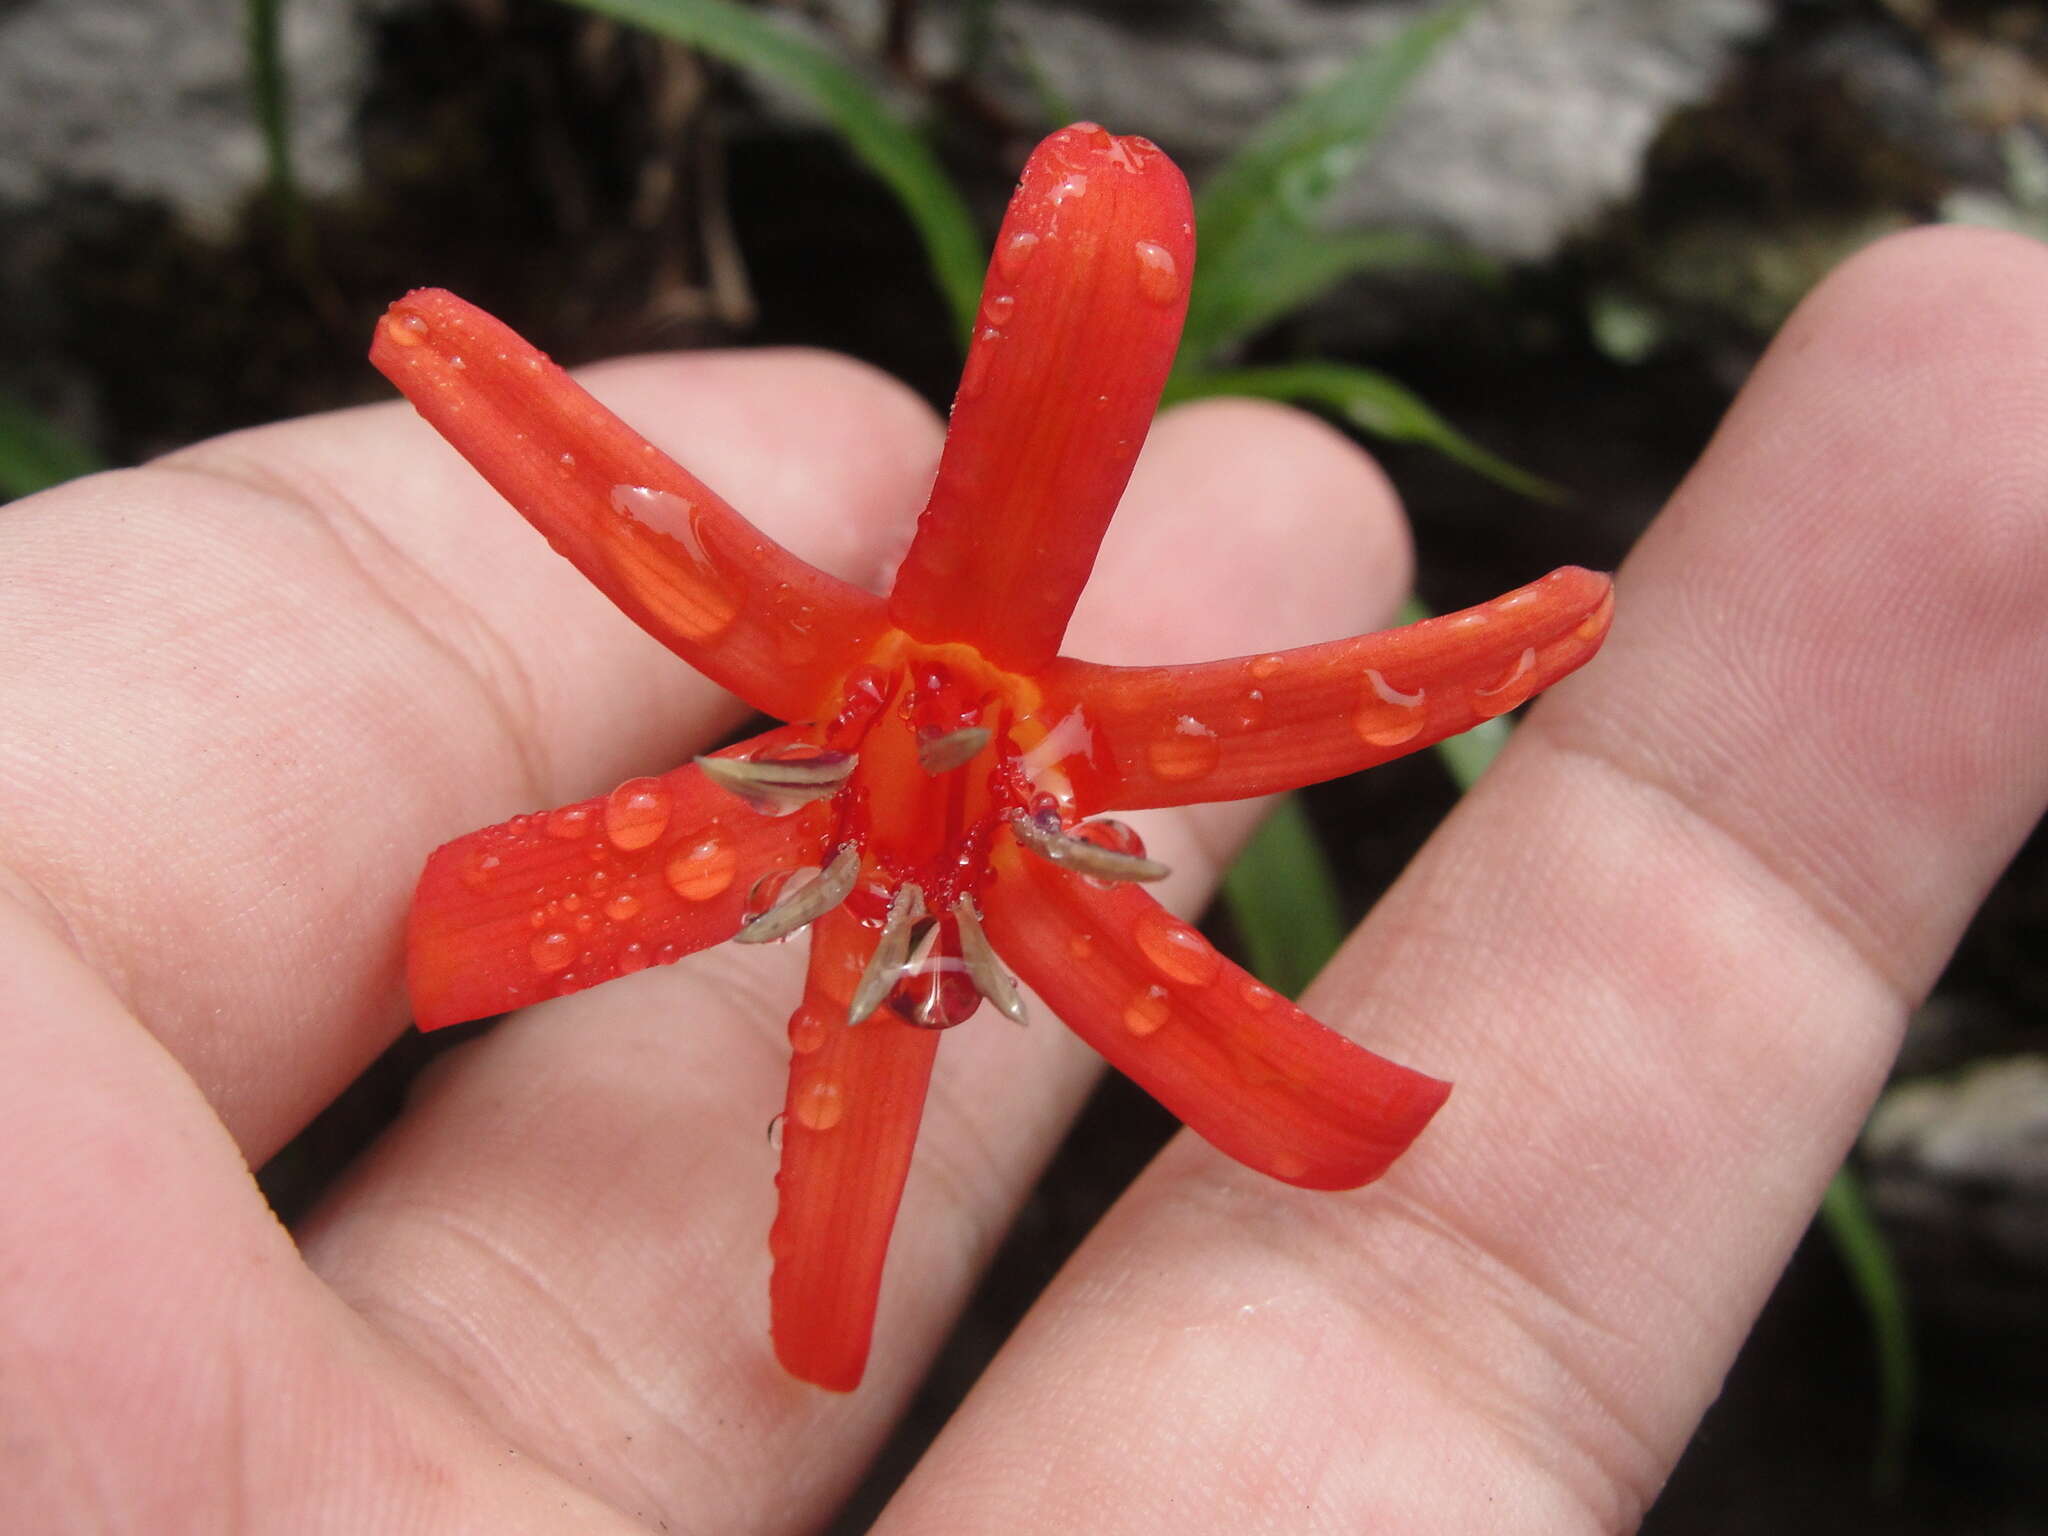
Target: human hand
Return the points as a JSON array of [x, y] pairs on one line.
[[1665, 950]]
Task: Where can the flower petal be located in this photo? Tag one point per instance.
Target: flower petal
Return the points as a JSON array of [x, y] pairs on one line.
[[856, 1094], [560, 900], [651, 536], [1238, 1063], [1079, 321], [1257, 725]]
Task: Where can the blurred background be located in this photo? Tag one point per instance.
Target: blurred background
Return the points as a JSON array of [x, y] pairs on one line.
[[1527, 249]]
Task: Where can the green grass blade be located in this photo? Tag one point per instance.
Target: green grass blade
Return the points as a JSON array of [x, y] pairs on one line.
[[1370, 401], [1285, 173], [270, 95], [1868, 1258], [1282, 897], [35, 454], [877, 138], [1295, 266]]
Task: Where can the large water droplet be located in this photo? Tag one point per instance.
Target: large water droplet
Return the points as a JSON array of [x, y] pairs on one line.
[[571, 821], [1015, 254], [691, 594], [703, 870], [1178, 951], [623, 907], [806, 1031], [405, 330], [820, 1104], [1188, 751], [1146, 1011], [996, 308], [1158, 274], [552, 951], [1514, 687], [1386, 716], [637, 812]]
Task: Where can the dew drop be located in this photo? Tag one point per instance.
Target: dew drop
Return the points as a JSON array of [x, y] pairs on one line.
[[1178, 951], [996, 308], [1264, 667], [586, 922], [537, 918], [1081, 946], [1015, 254], [1073, 184], [668, 954], [689, 594], [1249, 712], [1158, 273], [820, 1104], [1514, 688], [775, 1131], [623, 907], [481, 870], [636, 814], [702, 871], [571, 821], [1189, 751], [405, 330], [1147, 1010], [1386, 716], [596, 881], [568, 461], [552, 951], [572, 903], [633, 957], [980, 357], [806, 1031], [456, 362], [1257, 995]]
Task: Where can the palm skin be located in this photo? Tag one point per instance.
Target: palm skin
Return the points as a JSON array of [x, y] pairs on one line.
[[1666, 949]]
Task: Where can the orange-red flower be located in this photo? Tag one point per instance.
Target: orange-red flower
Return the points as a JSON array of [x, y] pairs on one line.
[[932, 809]]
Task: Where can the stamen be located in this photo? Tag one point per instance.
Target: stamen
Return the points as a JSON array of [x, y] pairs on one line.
[[990, 979], [885, 965], [955, 749], [777, 786], [807, 905], [1082, 856]]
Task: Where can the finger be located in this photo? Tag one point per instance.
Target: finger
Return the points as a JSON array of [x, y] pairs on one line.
[[249, 687], [1665, 951], [571, 1224]]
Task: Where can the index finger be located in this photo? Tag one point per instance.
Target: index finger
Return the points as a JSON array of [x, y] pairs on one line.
[[249, 686]]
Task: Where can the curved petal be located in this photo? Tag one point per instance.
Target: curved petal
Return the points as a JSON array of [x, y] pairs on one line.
[[651, 536], [1079, 321], [1257, 725], [560, 900], [1239, 1064], [856, 1094]]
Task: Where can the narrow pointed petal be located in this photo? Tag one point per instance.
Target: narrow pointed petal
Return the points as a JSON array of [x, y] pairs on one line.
[[560, 900], [855, 1099], [1238, 1063], [651, 536], [1079, 321], [1257, 725]]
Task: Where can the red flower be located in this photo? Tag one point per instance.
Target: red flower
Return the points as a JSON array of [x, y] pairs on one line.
[[934, 790]]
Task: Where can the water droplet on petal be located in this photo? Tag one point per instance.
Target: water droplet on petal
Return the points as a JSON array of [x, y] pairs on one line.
[[1595, 624], [1264, 667], [689, 594], [806, 1031], [996, 308], [482, 869], [1147, 1010], [702, 871], [1514, 687], [1015, 253], [980, 357], [1257, 995], [820, 1104], [569, 822], [1081, 946], [623, 907], [633, 957], [1179, 952], [1189, 751], [775, 1130], [585, 922], [1158, 274], [1386, 716], [552, 951], [636, 814]]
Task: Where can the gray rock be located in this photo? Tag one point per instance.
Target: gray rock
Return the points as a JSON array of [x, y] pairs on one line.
[[149, 98]]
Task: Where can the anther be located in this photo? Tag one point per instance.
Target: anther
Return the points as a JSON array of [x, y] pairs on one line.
[[955, 749], [885, 965], [807, 904], [1082, 856], [990, 979], [777, 786]]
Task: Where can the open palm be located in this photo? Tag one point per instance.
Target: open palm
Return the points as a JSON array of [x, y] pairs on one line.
[[1665, 950]]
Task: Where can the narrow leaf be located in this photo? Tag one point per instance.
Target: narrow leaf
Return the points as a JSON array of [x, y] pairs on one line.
[[873, 132], [1369, 401], [1868, 1258], [35, 454], [1282, 897]]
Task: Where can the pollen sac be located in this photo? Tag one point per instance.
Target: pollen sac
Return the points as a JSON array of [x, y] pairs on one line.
[[780, 786], [934, 989], [807, 903], [1102, 850]]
